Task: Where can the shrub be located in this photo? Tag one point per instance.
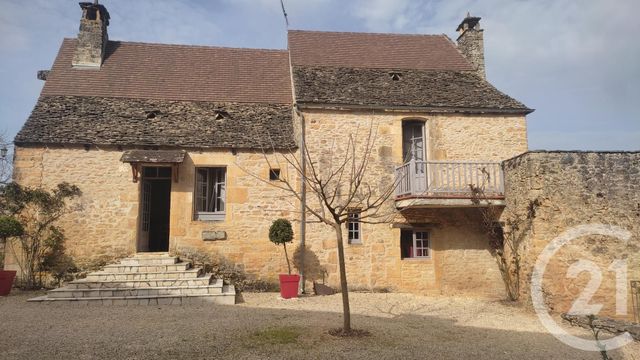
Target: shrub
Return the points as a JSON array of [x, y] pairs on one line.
[[281, 232], [9, 227], [37, 210]]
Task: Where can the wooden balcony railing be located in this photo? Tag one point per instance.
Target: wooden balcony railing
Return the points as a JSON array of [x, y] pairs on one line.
[[449, 178]]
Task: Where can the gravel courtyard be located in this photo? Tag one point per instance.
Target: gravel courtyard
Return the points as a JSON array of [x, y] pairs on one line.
[[265, 327]]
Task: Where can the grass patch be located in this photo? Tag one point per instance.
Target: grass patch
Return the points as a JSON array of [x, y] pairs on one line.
[[276, 336]]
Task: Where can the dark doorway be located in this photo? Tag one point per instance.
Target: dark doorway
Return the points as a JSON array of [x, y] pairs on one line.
[[156, 204]]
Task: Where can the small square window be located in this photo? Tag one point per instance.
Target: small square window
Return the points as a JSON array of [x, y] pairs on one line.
[[415, 244], [274, 174], [354, 227]]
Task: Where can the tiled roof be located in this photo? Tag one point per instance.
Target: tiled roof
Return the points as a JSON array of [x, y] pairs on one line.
[[175, 72], [170, 95], [150, 122], [436, 89], [369, 50]]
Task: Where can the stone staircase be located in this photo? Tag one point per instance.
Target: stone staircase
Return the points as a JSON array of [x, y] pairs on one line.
[[145, 279]]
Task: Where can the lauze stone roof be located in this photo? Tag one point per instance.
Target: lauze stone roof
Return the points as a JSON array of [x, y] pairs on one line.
[[150, 122], [212, 97], [356, 69], [432, 89]]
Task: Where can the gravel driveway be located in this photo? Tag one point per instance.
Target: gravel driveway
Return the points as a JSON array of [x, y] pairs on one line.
[[264, 327]]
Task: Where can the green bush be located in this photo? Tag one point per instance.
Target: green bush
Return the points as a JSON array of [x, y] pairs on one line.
[[41, 242], [10, 227], [281, 232]]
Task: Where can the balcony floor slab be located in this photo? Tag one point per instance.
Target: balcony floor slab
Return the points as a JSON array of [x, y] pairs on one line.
[[433, 202]]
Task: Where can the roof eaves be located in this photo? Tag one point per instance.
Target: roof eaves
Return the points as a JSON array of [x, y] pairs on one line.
[[402, 108]]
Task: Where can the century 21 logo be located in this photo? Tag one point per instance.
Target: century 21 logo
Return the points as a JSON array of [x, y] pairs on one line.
[[581, 305]]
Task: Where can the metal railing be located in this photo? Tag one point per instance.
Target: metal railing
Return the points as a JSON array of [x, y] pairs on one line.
[[454, 178]]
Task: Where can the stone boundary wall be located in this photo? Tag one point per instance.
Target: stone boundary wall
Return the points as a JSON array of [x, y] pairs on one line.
[[577, 188]]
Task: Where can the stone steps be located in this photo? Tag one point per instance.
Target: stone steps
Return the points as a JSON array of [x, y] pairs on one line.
[[121, 268], [124, 292], [144, 279], [150, 260], [227, 297], [186, 274], [84, 284]]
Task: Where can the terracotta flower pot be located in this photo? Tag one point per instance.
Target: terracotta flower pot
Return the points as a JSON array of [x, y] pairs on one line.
[[289, 286], [6, 281]]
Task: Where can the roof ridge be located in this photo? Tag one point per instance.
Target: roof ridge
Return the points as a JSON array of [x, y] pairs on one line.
[[141, 43], [379, 68], [364, 33]]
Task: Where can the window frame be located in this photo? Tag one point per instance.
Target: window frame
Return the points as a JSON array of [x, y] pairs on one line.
[[408, 150], [274, 174], [354, 227], [426, 239], [414, 245], [209, 215]]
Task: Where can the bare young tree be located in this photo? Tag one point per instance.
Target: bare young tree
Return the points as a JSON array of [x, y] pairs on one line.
[[339, 182]]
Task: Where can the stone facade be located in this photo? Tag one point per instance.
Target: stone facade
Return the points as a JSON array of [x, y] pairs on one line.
[[461, 260], [108, 221], [460, 263], [573, 189]]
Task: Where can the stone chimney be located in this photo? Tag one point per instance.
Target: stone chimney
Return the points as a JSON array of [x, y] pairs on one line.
[[92, 37], [471, 43]]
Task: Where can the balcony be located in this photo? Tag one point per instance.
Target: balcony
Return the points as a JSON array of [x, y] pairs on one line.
[[449, 184]]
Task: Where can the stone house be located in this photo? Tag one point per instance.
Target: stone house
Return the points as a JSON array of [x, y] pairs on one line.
[[171, 144], [165, 141]]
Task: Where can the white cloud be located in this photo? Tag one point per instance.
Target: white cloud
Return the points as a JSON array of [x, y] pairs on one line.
[[574, 61]]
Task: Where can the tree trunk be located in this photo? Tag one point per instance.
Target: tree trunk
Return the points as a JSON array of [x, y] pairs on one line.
[[287, 257], [343, 280]]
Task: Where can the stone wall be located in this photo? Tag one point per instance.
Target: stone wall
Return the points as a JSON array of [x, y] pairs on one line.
[[573, 189], [461, 260], [108, 222]]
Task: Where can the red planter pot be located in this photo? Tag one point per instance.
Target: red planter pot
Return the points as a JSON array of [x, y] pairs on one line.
[[6, 281], [289, 286]]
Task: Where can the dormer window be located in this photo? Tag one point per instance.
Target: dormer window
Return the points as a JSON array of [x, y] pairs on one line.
[[395, 76], [220, 114], [152, 114]]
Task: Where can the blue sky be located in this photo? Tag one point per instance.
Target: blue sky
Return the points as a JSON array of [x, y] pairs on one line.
[[576, 62]]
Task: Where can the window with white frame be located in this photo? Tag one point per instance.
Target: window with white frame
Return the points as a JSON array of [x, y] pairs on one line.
[[415, 244], [210, 193], [354, 227]]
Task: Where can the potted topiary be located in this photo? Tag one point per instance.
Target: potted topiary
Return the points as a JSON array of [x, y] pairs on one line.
[[9, 227], [281, 232]]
